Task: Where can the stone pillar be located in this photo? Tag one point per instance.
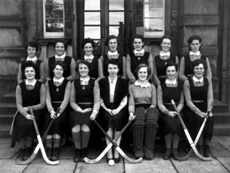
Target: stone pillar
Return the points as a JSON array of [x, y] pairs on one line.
[[201, 17]]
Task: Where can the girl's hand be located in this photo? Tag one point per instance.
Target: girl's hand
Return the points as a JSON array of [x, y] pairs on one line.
[[52, 114], [172, 113], [131, 116], [87, 110], [29, 117], [203, 115]]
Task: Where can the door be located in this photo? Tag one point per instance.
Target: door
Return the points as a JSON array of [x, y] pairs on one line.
[[99, 18]]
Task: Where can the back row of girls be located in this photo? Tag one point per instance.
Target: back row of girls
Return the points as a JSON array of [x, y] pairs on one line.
[[86, 96]]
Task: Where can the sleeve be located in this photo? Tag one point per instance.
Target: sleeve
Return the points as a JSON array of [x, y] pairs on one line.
[[72, 70], [42, 73], [154, 96], [181, 102], [42, 103], [48, 98], [100, 67], [154, 77], [210, 93], [19, 101], [150, 64], [131, 106], [160, 100], [181, 70], [124, 67], [73, 103], [128, 68], [209, 72], [188, 98], [96, 93], [65, 101]]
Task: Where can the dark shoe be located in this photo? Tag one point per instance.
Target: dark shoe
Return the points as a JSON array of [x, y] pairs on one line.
[[167, 154], [200, 149], [77, 155], [148, 153], [49, 153], [83, 154], [207, 152], [116, 160], [27, 153], [138, 153], [55, 155], [175, 154], [21, 154]]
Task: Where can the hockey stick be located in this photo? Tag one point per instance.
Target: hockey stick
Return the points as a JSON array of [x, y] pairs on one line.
[[117, 147], [39, 146], [87, 160], [189, 137], [199, 133]]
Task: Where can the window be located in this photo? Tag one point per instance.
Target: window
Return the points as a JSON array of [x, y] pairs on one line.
[[53, 17], [154, 18]]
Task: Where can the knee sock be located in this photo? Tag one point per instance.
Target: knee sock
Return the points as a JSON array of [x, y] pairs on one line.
[[85, 139], [21, 143], [29, 142], [49, 143], [56, 142], [77, 139]]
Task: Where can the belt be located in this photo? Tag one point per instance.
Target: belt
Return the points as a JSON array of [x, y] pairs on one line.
[[197, 101]]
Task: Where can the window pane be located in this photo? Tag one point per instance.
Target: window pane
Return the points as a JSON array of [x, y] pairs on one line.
[[54, 25], [116, 17], [114, 30], [153, 25], [116, 5], [92, 4], [54, 2], [92, 32], [92, 18], [54, 11]]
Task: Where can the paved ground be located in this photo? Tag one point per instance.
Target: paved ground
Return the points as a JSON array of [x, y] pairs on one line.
[[219, 164]]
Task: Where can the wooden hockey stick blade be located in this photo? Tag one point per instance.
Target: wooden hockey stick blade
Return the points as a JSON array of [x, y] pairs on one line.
[[87, 160], [117, 147]]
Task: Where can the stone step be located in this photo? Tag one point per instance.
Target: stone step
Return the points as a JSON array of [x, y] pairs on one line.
[[4, 132], [221, 130], [6, 119], [8, 98], [220, 107], [222, 118], [8, 108]]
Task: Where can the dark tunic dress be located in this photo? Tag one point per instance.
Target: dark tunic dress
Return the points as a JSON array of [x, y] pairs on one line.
[[83, 93], [188, 65], [117, 121], [194, 121], [57, 96], [119, 63], [24, 128], [161, 64], [37, 69], [93, 67], [67, 61], [171, 125]]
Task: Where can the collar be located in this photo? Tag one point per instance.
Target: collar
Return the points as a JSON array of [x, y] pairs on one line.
[[88, 57], [84, 81], [197, 80], [171, 82], [60, 57], [145, 85], [30, 83], [194, 53], [60, 80], [31, 59], [139, 53], [112, 53], [162, 53], [112, 81]]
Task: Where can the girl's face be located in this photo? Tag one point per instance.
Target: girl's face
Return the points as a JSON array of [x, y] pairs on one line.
[[113, 45], [30, 73], [58, 71], [195, 46], [31, 51], [138, 44], [199, 71], [142, 73], [83, 70], [113, 70], [60, 49], [171, 72], [88, 49], [166, 44]]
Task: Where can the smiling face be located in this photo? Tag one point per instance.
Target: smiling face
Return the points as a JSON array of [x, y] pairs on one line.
[[31, 51], [138, 44], [88, 49], [195, 46], [112, 45], [30, 73], [113, 70], [166, 44], [199, 71], [59, 48], [83, 70], [171, 72], [142, 73], [58, 71]]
